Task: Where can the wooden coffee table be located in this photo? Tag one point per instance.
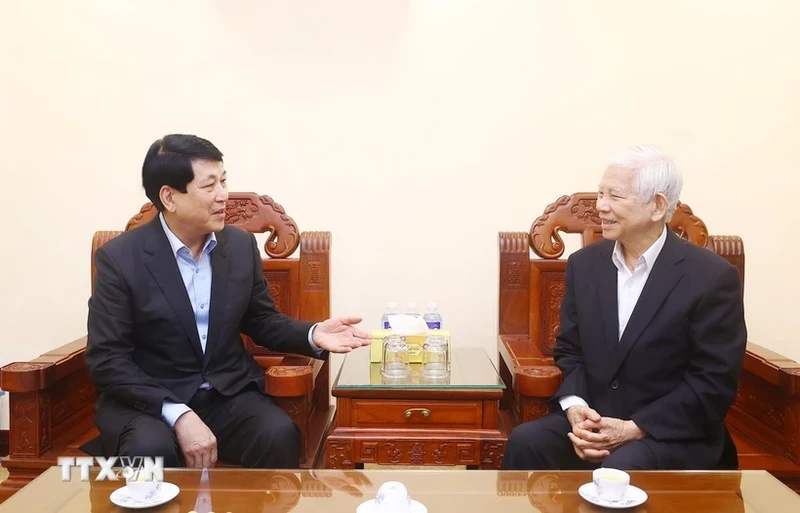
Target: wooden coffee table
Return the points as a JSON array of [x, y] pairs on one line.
[[246, 491], [455, 422]]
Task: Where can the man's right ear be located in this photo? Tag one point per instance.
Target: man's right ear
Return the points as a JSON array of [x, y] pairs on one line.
[[166, 195]]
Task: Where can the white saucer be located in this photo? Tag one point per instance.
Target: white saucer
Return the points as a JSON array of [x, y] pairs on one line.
[[167, 492], [633, 497], [369, 507]]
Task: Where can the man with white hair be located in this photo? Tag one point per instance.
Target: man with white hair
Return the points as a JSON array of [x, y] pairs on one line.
[[651, 340]]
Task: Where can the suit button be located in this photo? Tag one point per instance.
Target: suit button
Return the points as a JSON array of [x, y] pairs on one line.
[[205, 373], [614, 385]]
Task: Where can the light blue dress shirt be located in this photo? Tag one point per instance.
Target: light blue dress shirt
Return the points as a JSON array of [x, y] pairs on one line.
[[196, 277]]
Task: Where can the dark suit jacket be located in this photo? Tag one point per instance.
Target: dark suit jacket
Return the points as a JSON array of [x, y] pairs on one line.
[[676, 369], [143, 345]]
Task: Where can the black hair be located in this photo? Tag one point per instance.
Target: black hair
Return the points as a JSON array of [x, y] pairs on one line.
[[169, 162]]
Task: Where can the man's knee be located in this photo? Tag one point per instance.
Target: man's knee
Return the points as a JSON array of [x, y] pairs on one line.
[[152, 442], [152, 446], [635, 455], [279, 431], [526, 445], [277, 444], [540, 433], [523, 436]]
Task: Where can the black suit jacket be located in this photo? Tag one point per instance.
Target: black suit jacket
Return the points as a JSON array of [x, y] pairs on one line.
[[143, 346], [676, 369]]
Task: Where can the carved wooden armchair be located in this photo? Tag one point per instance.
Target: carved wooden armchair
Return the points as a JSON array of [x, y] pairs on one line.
[[52, 397], [765, 418]]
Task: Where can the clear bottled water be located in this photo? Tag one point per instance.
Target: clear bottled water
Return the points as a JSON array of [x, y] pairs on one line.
[[391, 309], [411, 309], [432, 317]]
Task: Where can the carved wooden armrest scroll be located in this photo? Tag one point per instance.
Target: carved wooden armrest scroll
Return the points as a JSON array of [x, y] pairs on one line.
[[292, 387], [290, 381], [27, 376]]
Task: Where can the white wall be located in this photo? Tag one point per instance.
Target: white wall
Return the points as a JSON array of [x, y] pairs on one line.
[[415, 131]]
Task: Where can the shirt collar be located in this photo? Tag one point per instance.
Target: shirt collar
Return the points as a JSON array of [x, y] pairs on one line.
[[648, 257], [177, 245]]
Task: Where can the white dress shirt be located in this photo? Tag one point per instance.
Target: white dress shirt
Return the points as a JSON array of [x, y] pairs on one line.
[[629, 288]]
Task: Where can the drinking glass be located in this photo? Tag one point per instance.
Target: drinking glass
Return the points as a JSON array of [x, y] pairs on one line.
[[394, 364], [435, 358]]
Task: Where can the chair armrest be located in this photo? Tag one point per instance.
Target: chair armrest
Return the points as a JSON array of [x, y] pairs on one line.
[[531, 377], [292, 387], [46, 370], [51, 400], [767, 403], [290, 380]]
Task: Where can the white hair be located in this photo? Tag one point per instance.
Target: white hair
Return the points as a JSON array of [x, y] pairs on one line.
[[655, 171]]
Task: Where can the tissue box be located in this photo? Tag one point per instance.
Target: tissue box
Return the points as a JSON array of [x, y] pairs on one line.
[[414, 341]]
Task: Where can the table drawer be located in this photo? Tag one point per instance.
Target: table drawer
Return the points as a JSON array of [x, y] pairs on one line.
[[378, 413]]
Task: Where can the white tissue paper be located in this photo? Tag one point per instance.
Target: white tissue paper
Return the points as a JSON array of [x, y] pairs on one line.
[[407, 324]]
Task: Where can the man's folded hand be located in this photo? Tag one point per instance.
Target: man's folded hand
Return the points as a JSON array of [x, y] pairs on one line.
[[589, 446], [596, 439]]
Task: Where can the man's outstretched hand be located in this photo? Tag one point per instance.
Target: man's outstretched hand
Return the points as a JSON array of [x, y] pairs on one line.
[[339, 335]]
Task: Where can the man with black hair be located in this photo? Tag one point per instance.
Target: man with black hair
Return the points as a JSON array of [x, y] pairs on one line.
[[169, 303]]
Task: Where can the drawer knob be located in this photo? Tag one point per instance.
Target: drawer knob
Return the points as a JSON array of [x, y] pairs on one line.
[[425, 412]]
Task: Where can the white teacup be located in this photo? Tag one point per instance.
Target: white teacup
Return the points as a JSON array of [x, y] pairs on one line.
[[141, 490], [611, 484], [392, 497]]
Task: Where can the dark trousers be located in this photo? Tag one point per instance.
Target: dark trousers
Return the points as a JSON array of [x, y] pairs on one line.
[[251, 431], [543, 445]]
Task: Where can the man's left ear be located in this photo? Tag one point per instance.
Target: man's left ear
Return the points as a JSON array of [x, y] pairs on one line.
[[660, 212]]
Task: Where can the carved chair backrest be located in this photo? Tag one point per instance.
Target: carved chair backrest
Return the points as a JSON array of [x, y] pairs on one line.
[[300, 286], [531, 289], [578, 214]]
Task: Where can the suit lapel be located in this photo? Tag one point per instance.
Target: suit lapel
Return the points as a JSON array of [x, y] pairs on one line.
[[219, 293], [663, 278], [606, 291], [160, 261]]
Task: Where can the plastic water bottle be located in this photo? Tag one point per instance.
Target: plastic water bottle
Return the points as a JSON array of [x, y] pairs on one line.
[[411, 309], [432, 317], [391, 309]]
